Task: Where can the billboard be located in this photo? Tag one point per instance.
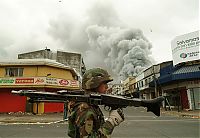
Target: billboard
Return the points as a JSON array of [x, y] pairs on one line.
[[185, 48], [38, 81]]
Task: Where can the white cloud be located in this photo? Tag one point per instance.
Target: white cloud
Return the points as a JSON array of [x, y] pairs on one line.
[[28, 25]]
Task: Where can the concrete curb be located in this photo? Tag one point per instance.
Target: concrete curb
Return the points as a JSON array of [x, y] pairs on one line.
[[33, 122], [190, 116], [24, 118], [195, 115]]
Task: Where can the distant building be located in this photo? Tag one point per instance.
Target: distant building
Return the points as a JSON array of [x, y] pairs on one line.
[[117, 89], [150, 75], [127, 83], [74, 60], [180, 84], [140, 84]]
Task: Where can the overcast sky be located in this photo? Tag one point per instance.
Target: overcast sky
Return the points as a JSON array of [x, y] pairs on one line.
[[93, 27]]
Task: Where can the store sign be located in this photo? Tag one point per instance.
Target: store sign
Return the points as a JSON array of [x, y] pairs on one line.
[[51, 81], [38, 81], [69, 83], [63, 82], [185, 48], [24, 81], [7, 81]]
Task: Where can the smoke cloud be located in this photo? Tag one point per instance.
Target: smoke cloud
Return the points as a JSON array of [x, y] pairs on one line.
[[98, 34], [124, 52], [104, 41]]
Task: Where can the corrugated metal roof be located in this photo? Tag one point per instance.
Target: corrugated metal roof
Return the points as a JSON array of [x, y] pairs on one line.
[[188, 69], [47, 62], [183, 73], [32, 62], [185, 76]]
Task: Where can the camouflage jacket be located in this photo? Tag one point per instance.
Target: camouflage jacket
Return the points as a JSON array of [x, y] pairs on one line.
[[87, 121]]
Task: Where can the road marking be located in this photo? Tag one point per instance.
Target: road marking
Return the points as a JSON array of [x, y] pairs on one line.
[[138, 116], [188, 120], [149, 116], [35, 123], [50, 123]]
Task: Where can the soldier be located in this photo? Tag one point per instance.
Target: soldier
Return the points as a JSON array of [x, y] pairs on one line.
[[87, 120]]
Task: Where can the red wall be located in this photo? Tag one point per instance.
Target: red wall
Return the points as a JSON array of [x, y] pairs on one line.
[[16, 103], [11, 103], [53, 107], [184, 99]]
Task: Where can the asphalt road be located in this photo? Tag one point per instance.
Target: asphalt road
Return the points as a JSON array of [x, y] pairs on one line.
[[138, 124]]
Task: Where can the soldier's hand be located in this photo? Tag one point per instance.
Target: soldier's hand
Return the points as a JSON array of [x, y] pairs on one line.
[[116, 117]]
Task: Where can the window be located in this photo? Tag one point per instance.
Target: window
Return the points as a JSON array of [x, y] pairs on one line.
[[138, 85], [146, 82], [14, 72], [149, 79]]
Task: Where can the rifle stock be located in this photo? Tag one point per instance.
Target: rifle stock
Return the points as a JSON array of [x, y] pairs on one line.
[[111, 101]]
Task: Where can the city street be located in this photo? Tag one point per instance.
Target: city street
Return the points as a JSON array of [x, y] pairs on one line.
[[66, 57], [138, 123]]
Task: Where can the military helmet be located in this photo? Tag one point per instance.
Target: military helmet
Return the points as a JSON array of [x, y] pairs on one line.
[[92, 78]]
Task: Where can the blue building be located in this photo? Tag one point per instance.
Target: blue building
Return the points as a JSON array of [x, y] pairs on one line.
[[180, 85]]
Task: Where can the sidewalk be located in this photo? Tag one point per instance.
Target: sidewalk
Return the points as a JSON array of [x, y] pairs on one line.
[[188, 114], [49, 118], [20, 117]]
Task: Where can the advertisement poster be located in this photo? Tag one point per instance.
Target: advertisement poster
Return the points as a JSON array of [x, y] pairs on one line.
[[39, 81], [185, 48]]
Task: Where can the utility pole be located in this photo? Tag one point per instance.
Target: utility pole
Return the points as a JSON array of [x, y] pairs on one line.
[[155, 83]]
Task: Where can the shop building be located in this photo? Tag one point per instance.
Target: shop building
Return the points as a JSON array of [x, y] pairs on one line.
[[181, 85], [34, 74]]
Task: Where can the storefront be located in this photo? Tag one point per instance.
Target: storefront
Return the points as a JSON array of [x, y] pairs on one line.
[[180, 86], [40, 75]]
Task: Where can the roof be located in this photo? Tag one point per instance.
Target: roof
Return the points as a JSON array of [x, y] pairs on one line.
[[183, 73], [188, 69], [47, 62], [187, 72]]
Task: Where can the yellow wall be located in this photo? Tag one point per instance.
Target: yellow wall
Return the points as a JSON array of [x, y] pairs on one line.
[[128, 83], [41, 71], [2, 71], [132, 81]]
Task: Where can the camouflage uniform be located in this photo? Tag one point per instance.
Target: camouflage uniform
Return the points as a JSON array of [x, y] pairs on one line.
[[86, 120]]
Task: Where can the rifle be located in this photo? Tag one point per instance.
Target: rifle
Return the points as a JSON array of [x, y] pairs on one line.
[[111, 101]]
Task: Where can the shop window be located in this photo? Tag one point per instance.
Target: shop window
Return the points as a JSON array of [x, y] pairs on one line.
[[14, 72]]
